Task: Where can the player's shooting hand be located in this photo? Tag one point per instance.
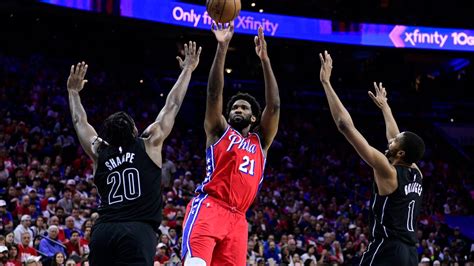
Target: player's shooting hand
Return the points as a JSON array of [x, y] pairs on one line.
[[380, 97], [223, 31], [326, 67], [76, 80], [261, 45], [191, 56]]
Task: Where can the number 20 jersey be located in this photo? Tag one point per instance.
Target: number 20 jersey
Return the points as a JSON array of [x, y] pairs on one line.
[[129, 184], [234, 169]]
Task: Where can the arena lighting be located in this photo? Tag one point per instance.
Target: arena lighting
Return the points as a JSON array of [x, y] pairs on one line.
[[252, 5], [300, 28]]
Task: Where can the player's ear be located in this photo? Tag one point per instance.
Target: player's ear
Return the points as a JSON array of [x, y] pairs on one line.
[[401, 153], [253, 119]]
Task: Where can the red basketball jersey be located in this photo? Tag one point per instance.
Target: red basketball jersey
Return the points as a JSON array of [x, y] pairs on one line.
[[235, 166]]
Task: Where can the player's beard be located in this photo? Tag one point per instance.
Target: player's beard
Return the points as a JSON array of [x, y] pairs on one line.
[[390, 154], [240, 122]]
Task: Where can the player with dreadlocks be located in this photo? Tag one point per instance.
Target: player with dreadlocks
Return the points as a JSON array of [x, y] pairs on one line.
[[127, 171]]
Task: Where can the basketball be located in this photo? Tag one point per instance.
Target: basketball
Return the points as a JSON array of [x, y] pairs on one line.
[[223, 11]]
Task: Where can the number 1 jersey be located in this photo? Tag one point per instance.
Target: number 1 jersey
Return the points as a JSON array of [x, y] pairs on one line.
[[395, 216], [234, 169], [129, 185]]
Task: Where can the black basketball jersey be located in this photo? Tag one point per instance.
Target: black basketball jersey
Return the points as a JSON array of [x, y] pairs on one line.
[[129, 184], [395, 216]]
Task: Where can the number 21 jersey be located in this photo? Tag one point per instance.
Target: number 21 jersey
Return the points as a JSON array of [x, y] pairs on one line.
[[234, 169]]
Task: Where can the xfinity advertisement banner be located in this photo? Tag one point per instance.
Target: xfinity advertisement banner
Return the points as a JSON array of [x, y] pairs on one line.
[[318, 30]]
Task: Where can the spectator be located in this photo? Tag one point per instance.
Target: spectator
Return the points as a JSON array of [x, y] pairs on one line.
[[58, 259], [37, 182], [23, 208], [24, 248], [348, 252], [60, 213], [78, 219], [168, 170], [296, 260], [34, 200], [272, 252], [33, 261], [14, 256], [23, 227], [161, 256], [48, 195], [73, 246], [164, 228], [10, 239], [50, 244], [39, 228], [50, 209], [69, 227], [6, 222], [71, 262], [55, 221], [285, 255], [251, 254], [4, 255], [85, 240], [81, 190], [173, 238], [188, 181], [310, 254], [66, 201], [336, 255]]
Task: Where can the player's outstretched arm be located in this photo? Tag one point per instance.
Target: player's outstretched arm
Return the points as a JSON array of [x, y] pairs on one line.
[[85, 132], [271, 113], [215, 123], [380, 99], [159, 130], [382, 168]]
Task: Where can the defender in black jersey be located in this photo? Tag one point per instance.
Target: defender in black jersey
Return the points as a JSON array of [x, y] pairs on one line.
[[127, 171], [397, 189]]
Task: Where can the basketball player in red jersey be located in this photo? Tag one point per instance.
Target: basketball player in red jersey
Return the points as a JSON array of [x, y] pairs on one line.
[[215, 230]]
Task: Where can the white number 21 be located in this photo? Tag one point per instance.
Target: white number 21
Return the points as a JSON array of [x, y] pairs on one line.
[[245, 168]]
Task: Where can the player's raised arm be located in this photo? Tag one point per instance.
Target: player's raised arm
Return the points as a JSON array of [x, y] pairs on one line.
[[159, 130], [215, 123], [382, 167], [271, 113], [85, 132], [380, 99]]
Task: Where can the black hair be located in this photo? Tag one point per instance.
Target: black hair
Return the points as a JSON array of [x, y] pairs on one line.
[[254, 105], [414, 147], [117, 130]]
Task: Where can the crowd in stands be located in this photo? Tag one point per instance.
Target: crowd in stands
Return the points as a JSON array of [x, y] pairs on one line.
[[312, 209]]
